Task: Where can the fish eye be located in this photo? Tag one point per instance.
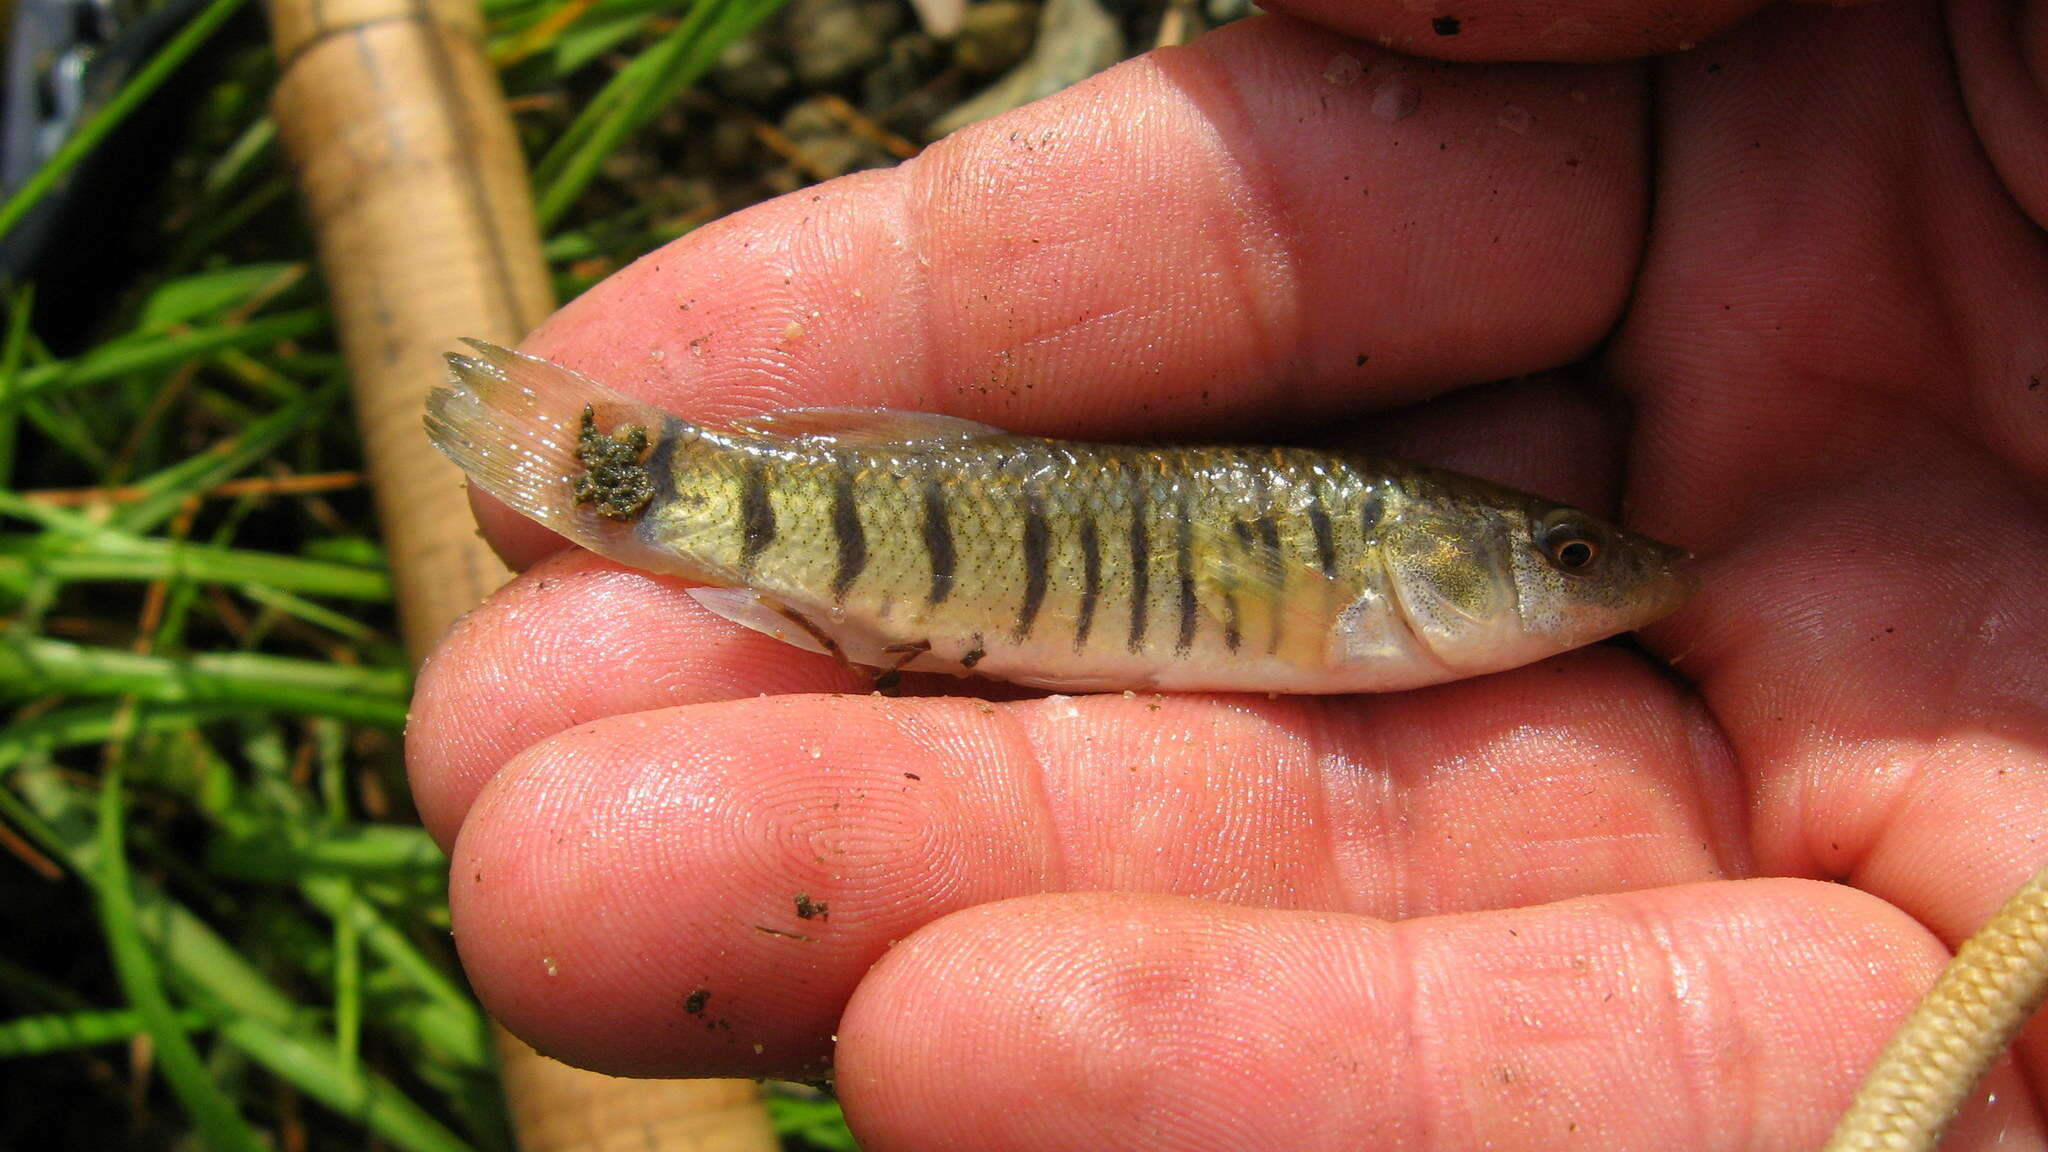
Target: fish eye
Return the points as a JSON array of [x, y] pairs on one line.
[[1570, 547]]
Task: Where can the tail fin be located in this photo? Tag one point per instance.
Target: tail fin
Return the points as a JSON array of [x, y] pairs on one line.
[[513, 422]]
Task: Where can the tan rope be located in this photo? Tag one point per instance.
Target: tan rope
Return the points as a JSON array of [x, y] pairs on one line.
[[1979, 1004]]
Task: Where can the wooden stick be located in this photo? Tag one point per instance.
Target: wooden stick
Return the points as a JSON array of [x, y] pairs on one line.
[[413, 180]]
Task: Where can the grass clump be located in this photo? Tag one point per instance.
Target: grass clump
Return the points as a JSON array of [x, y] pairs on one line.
[[224, 922]]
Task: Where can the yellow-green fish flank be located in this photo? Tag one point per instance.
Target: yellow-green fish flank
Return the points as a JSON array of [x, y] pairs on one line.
[[912, 541]]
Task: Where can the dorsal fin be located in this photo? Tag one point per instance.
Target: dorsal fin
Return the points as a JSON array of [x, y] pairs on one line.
[[852, 427]]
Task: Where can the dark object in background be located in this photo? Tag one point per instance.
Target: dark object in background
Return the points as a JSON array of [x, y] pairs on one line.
[[65, 59]]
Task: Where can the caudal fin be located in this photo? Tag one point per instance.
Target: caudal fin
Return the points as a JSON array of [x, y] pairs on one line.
[[514, 423]]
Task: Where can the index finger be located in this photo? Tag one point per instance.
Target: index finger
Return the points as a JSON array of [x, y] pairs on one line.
[[1276, 223]]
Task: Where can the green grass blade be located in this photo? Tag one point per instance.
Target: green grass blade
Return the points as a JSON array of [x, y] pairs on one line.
[[158, 352], [60, 821], [204, 295], [94, 724], [19, 310], [220, 1125], [639, 93], [95, 128], [290, 605], [32, 666], [348, 980], [439, 1014], [316, 1070], [816, 1122], [66, 1031], [169, 489], [361, 851], [110, 554], [258, 1018]]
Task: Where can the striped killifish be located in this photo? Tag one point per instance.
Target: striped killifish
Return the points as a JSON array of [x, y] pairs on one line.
[[912, 541]]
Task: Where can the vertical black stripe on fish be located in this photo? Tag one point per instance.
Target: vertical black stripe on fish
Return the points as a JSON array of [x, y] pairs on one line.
[[1262, 498], [1319, 523], [1270, 562], [1141, 571], [1184, 559], [757, 514], [660, 460], [938, 542], [1091, 580], [1037, 559], [1269, 534], [1371, 511], [846, 530]]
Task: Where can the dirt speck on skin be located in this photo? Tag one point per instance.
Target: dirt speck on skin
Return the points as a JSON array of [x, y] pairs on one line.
[[809, 909], [765, 930], [695, 1001]]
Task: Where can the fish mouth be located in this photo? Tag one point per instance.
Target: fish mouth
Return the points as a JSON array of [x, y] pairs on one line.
[[1682, 578]]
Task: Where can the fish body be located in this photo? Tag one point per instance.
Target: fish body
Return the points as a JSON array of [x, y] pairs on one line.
[[920, 542]]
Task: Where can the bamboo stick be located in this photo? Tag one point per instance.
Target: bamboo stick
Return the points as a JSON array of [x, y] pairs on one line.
[[413, 180]]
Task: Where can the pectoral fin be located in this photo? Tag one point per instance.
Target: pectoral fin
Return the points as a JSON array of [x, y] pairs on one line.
[[1282, 605]]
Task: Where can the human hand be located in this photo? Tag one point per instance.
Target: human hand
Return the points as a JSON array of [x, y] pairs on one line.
[[1510, 909]]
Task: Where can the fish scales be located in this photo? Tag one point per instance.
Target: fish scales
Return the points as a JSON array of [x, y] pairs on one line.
[[987, 546], [905, 540]]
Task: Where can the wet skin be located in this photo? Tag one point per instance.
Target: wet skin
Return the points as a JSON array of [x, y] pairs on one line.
[[1576, 901]]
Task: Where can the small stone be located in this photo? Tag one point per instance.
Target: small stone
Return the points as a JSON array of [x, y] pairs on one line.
[[828, 148], [995, 35], [834, 40], [747, 73], [901, 88]]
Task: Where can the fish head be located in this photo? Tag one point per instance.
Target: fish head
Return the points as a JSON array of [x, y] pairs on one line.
[[1494, 583]]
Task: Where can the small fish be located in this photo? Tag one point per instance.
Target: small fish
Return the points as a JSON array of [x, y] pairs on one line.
[[911, 541]]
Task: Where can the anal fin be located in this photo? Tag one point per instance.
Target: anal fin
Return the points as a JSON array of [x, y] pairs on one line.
[[849, 644]]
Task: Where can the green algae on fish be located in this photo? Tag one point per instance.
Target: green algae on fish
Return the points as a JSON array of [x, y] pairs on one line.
[[914, 541]]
